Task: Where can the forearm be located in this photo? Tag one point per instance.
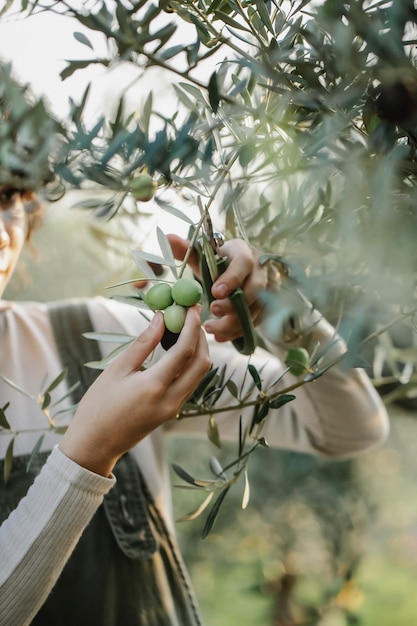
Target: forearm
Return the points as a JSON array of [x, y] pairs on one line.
[[38, 537]]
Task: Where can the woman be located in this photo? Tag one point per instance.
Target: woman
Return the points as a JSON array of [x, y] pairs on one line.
[[112, 559], [86, 534]]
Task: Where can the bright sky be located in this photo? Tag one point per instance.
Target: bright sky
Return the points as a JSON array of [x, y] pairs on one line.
[[39, 46]]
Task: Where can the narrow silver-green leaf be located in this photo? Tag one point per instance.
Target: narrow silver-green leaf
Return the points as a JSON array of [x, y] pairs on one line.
[[83, 39], [211, 518], [8, 462], [107, 359], [229, 20], [255, 375], [46, 400], [182, 473], [232, 388], [194, 514], [281, 400], [213, 432], [264, 15], [213, 92], [57, 381], [246, 490], [166, 250], [210, 259], [147, 112], [216, 468], [35, 452], [151, 258], [12, 384], [109, 337], [60, 430], [3, 420], [173, 211]]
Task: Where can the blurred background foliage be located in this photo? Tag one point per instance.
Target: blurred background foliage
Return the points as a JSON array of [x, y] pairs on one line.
[[295, 122]]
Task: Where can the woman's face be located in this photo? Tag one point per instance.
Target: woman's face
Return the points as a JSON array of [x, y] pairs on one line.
[[12, 233]]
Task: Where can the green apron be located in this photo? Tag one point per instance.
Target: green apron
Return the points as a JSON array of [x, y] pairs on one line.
[[125, 570]]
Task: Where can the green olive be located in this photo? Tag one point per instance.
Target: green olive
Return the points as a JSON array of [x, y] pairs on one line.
[[174, 317], [297, 361], [187, 291], [159, 297], [143, 187]]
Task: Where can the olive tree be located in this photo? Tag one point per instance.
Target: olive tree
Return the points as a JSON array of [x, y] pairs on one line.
[[295, 120]]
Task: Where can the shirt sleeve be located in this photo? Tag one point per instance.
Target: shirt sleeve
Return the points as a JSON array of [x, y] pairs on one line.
[[38, 537], [339, 414]]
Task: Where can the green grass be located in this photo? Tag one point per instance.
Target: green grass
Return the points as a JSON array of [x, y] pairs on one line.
[[229, 595], [230, 571], [390, 592]]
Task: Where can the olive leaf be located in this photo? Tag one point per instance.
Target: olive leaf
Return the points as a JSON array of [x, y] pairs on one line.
[[108, 337], [255, 375], [46, 400], [210, 259], [166, 251], [35, 452], [232, 388], [182, 473], [3, 419], [57, 381], [8, 461], [15, 386], [213, 92], [246, 491], [82, 38], [140, 256], [242, 437], [173, 211], [260, 412], [194, 514], [216, 468], [278, 402], [211, 518], [213, 432], [100, 365]]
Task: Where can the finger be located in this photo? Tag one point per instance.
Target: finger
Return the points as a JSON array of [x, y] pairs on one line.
[[240, 267], [138, 351], [219, 308], [190, 376], [177, 357], [179, 247], [228, 326]]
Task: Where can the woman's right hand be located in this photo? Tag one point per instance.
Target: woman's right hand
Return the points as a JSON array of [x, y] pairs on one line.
[[125, 404]]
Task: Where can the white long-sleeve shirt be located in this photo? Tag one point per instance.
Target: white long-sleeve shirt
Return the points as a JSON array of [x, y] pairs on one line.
[[339, 414]]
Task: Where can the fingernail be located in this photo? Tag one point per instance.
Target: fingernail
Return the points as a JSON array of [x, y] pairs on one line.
[[154, 321], [221, 290], [207, 327]]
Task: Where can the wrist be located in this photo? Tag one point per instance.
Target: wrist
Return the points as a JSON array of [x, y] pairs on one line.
[[89, 458]]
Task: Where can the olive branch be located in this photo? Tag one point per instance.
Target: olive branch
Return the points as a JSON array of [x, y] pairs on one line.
[[51, 412]]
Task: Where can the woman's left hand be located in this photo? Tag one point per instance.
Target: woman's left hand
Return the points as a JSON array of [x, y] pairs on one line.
[[243, 271]]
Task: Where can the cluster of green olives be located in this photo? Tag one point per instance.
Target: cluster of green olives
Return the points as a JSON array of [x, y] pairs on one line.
[[173, 300]]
